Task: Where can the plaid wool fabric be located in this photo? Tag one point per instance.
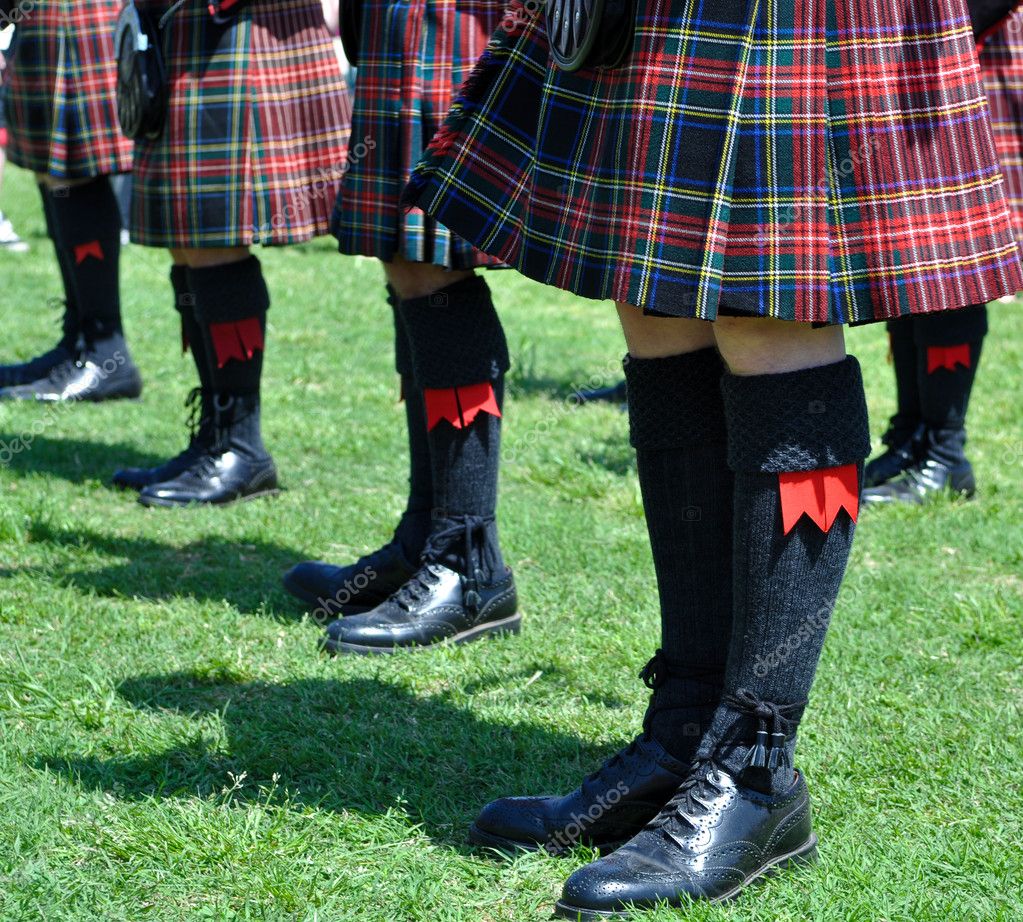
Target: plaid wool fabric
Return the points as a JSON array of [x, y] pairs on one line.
[[256, 138], [1001, 62], [414, 56], [61, 114], [800, 159]]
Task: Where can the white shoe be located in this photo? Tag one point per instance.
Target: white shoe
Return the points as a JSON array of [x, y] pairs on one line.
[[10, 242]]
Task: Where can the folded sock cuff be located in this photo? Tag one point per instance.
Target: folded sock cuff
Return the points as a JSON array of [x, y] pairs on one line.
[[675, 401], [797, 421]]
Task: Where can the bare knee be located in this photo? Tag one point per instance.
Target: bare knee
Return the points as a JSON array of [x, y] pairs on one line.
[[420, 280]]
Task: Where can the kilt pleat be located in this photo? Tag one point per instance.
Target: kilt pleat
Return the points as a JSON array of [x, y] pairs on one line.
[[256, 138], [414, 55], [59, 100], [827, 162], [1001, 62]]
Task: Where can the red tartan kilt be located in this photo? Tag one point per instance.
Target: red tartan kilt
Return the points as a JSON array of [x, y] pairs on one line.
[[808, 161], [60, 100], [256, 139], [1001, 63]]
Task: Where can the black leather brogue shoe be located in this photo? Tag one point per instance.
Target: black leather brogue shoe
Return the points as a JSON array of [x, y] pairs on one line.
[[330, 591], [712, 839], [438, 604], [608, 808]]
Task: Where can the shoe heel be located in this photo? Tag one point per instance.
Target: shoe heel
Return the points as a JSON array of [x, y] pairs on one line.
[[806, 856]]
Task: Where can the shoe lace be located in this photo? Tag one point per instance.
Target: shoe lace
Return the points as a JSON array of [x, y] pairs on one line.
[[416, 589], [65, 371], [473, 533], [595, 778], [196, 415], [688, 804], [779, 717]]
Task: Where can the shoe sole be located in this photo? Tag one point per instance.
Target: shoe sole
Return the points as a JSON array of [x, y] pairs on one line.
[[155, 502], [510, 625], [806, 854], [34, 398], [510, 847]]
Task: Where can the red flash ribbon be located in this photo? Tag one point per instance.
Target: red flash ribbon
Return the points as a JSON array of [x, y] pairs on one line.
[[238, 340], [821, 495], [85, 250], [947, 357], [459, 405], [184, 339]]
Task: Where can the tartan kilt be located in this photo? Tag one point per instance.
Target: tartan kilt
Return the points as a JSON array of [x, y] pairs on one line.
[[256, 137], [1001, 63], [413, 58], [59, 99], [818, 162]]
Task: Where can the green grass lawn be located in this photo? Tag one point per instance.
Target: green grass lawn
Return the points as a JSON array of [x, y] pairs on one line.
[[173, 747]]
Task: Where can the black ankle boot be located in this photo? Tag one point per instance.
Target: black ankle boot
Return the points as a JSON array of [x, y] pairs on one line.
[[941, 467], [461, 592], [235, 466], [102, 370], [712, 839], [201, 438], [903, 444]]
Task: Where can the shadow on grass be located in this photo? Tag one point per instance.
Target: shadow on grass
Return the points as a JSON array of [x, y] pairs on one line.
[[362, 745], [73, 460], [244, 573], [615, 455]]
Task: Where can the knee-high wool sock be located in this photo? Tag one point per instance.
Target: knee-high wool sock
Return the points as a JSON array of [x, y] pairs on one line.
[[414, 527], [677, 426], [88, 230], [948, 347], [460, 356], [796, 443], [231, 304], [907, 416], [192, 340], [71, 325]]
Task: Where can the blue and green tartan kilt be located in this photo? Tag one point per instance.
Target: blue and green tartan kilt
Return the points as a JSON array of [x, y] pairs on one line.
[[809, 161], [413, 57], [59, 100], [256, 138]]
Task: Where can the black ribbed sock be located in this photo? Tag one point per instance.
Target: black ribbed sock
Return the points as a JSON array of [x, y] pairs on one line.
[[71, 326], [192, 337], [677, 426], [785, 584], [948, 346], [457, 343], [231, 304], [907, 417], [414, 527], [88, 226]]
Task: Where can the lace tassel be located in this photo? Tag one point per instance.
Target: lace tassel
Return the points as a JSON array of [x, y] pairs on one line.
[[777, 754], [472, 596], [757, 757]]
